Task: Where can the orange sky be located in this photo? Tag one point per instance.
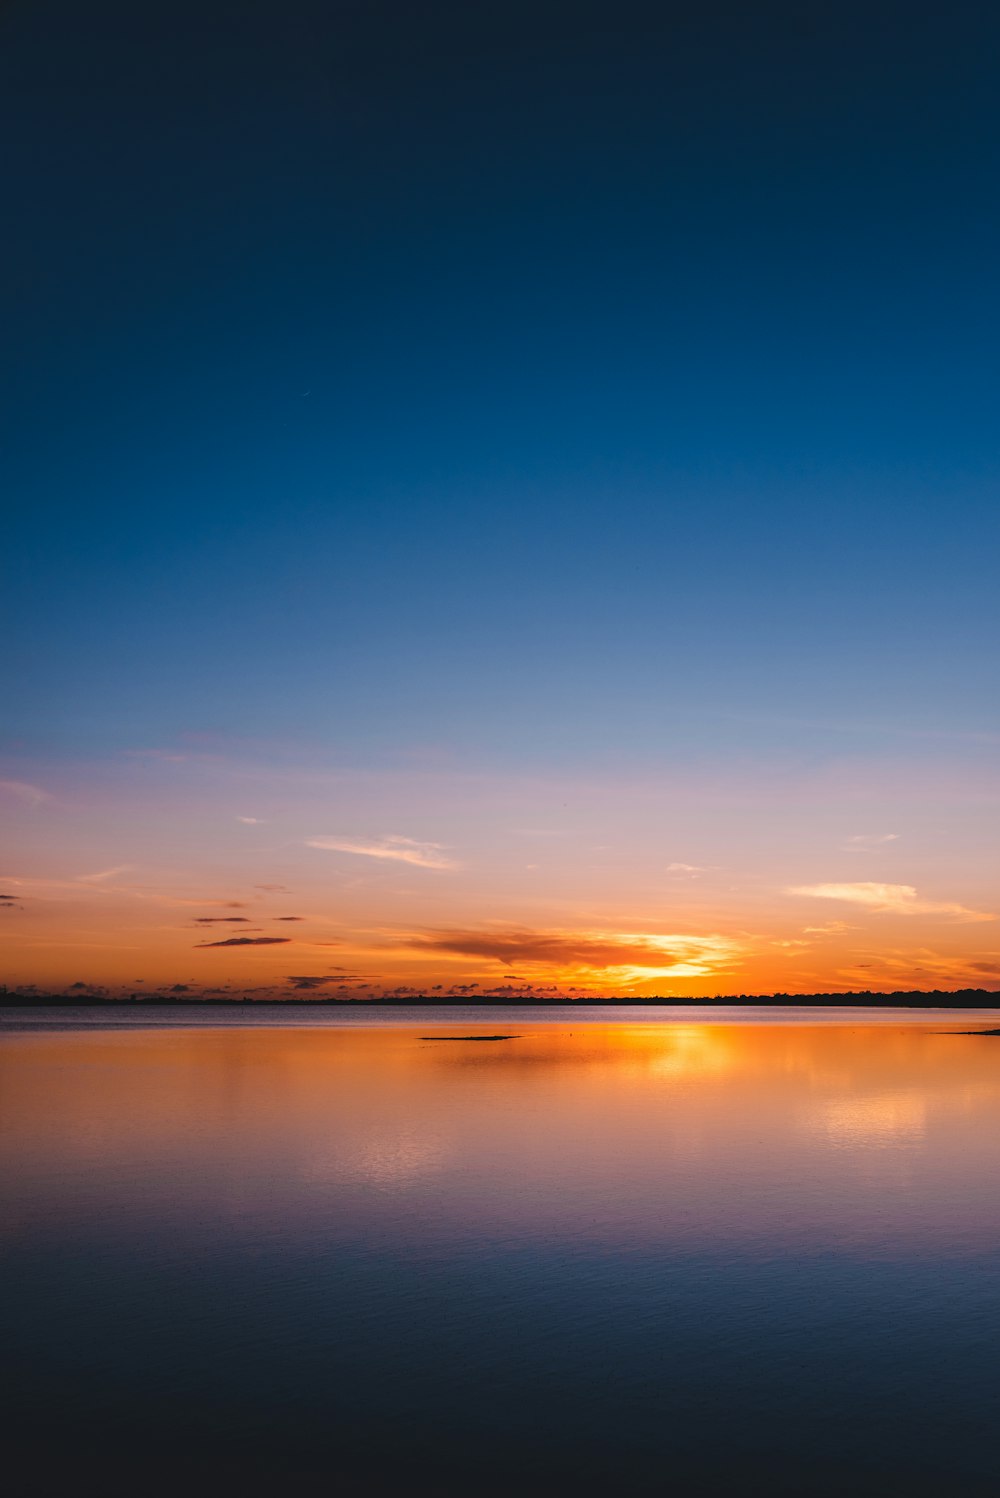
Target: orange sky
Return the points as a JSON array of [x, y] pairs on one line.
[[217, 868]]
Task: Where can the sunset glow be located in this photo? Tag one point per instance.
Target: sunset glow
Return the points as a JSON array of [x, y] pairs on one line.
[[143, 871], [500, 504], [500, 748]]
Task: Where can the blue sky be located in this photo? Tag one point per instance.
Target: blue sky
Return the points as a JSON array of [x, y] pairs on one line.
[[551, 389], [494, 368]]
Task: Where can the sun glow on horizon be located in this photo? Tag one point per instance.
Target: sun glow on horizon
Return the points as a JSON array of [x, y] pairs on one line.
[[150, 875]]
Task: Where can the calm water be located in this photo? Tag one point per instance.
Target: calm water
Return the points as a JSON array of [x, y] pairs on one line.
[[656, 1255]]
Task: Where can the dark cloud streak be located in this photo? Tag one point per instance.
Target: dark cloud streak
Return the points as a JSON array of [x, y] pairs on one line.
[[247, 941], [557, 949]]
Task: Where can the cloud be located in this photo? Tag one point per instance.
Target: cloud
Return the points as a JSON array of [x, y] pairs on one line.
[[633, 953], [166, 756], [103, 874], [23, 791], [247, 941], [10, 902], [400, 849], [289, 917], [274, 889], [214, 904], [864, 842], [222, 920], [687, 868], [339, 978], [892, 899], [250, 821], [922, 967]]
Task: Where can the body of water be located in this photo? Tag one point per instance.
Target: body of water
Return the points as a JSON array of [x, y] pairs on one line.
[[330, 1252]]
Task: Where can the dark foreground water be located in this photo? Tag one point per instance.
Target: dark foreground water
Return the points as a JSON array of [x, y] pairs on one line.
[[657, 1256]]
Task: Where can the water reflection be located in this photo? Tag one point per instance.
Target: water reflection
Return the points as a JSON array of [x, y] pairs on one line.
[[681, 1132], [874, 1122], [568, 1249]]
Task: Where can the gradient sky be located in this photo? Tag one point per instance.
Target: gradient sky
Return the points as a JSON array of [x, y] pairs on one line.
[[512, 488]]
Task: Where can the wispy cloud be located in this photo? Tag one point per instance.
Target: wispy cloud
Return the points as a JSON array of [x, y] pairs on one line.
[[213, 904], [166, 756], [222, 920], [250, 821], [893, 899], [687, 868], [922, 966], [630, 954], [399, 849], [865, 842], [104, 874], [247, 941], [24, 792], [338, 978]]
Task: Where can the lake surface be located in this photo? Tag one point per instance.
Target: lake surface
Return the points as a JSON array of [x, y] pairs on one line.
[[302, 1254]]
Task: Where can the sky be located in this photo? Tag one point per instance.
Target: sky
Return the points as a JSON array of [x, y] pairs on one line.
[[500, 498]]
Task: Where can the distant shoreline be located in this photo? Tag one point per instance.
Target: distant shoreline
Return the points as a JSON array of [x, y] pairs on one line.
[[967, 998]]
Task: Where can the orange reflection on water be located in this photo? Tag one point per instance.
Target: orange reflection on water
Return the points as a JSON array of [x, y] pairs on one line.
[[779, 1136]]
